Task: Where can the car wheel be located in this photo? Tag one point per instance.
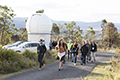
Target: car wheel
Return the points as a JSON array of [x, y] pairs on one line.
[[18, 51]]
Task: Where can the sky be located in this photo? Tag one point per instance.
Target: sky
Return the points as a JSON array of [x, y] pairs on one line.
[[68, 10]]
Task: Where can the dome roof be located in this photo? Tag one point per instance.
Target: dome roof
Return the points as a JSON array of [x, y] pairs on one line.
[[39, 23]]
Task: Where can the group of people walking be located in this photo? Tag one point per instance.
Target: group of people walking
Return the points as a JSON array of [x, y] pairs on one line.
[[86, 52]]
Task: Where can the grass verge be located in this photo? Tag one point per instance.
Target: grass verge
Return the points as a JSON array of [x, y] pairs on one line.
[[50, 61], [98, 72]]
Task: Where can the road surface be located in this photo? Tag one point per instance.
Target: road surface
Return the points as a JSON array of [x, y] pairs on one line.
[[70, 72]]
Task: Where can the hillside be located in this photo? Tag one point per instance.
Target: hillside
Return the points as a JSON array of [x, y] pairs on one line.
[[20, 23]]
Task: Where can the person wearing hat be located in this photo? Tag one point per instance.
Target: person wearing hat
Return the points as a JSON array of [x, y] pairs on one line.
[[41, 49]]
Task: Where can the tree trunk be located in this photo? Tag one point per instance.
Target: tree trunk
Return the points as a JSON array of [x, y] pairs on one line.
[[2, 37]]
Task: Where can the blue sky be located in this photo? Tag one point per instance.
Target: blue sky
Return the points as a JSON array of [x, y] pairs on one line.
[[68, 10]]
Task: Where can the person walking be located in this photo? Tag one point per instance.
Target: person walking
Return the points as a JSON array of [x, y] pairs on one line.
[[61, 49], [84, 51], [69, 46], [90, 52], [50, 45], [89, 49], [41, 49], [54, 43], [93, 50], [65, 53], [79, 53], [74, 51]]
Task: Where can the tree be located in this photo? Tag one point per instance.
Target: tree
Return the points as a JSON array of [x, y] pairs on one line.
[[71, 32], [23, 36], [103, 25], [40, 11], [6, 22], [110, 34], [90, 35], [55, 31]]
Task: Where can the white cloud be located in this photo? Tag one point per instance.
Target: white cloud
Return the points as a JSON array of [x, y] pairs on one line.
[[70, 10]]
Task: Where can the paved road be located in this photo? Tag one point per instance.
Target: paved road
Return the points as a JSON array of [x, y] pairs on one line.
[[70, 72]]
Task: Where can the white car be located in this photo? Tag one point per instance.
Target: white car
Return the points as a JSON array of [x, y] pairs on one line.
[[13, 45], [31, 46]]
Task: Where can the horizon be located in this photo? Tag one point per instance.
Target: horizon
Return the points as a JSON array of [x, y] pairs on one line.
[[69, 21], [68, 10]]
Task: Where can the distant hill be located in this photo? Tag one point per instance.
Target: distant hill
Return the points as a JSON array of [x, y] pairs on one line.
[[20, 23]]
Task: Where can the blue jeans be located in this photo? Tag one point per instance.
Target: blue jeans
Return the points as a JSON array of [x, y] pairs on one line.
[[64, 57], [74, 57], [69, 55], [83, 59], [40, 57], [89, 56]]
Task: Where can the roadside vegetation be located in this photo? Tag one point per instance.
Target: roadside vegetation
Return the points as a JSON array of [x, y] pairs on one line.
[[109, 70], [11, 61]]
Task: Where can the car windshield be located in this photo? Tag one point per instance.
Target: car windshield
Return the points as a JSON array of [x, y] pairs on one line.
[[16, 43], [21, 45]]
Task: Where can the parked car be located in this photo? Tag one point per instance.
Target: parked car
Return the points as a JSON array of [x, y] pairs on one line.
[[31, 46], [13, 45]]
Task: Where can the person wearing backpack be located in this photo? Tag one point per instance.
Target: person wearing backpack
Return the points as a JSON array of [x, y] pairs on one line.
[[93, 50], [84, 51], [41, 49], [74, 51]]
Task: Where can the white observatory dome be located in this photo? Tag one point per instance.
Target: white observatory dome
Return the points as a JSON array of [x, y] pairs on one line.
[[39, 23]]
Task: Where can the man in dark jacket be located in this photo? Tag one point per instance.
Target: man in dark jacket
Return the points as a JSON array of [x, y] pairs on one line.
[[84, 51], [93, 50], [41, 49]]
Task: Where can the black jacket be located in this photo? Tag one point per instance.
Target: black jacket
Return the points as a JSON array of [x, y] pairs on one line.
[[41, 49], [76, 48], [93, 47], [84, 50]]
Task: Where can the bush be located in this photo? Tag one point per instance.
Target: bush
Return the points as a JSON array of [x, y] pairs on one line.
[[49, 55], [117, 51], [0, 46], [11, 61], [114, 71], [30, 55]]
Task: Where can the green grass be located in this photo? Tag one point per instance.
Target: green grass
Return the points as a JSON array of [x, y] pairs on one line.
[[98, 72], [24, 70]]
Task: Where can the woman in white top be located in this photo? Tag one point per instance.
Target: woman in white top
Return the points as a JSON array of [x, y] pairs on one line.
[[61, 48]]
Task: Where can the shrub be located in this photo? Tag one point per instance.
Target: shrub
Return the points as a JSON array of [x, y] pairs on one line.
[[49, 55], [114, 71], [11, 61], [117, 51], [0, 46], [30, 55]]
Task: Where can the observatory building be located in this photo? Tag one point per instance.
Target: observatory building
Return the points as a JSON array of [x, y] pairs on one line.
[[39, 27]]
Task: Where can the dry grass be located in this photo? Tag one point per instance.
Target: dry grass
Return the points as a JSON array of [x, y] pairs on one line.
[[98, 72], [106, 71]]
